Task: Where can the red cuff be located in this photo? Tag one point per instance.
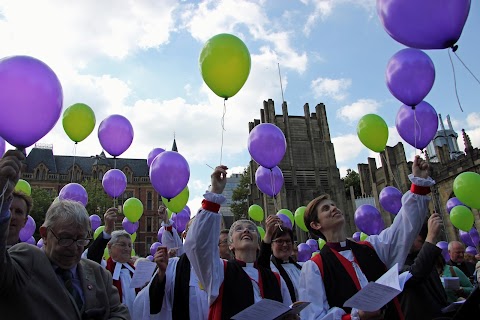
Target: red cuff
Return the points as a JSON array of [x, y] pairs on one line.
[[170, 228], [419, 190], [210, 206], [346, 317]]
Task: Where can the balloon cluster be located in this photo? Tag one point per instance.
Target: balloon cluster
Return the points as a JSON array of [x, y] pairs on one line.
[[465, 187]]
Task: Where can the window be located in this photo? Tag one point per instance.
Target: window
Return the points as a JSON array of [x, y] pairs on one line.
[[100, 175], [148, 227], [148, 243], [149, 200]]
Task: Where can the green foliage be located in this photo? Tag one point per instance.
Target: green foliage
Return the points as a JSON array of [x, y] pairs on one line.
[[42, 199], [352, 179], [239, 204], [98, 200]]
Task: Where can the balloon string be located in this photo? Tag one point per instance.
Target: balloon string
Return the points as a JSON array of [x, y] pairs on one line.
[[2, 196], [223, 129], [272, 185], [455, 80], [390, 169], [114, 187], [73, 165], [466, 67], [415, 127]]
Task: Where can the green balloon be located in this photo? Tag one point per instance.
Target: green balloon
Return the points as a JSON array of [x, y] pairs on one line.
[[462, 218], [321, 243], [299, 218], [78, 121], [261, 232], [24, 186], [133, 209], [177, 203], [133, 252], [315, 253], [363, 236], [133, 237], [466, 187], [373, 132], [288, 213], [169, 213], [255, 212], [225, 64], [98, 231], [106, 254]]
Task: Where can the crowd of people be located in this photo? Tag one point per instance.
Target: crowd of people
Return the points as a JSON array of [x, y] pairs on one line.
[[214, 273]]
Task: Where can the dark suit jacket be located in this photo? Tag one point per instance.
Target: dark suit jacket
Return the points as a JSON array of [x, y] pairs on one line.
[[30, 289]]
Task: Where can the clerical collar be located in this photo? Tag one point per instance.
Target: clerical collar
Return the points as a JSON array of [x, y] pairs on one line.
[[245, 264], [339, 246]]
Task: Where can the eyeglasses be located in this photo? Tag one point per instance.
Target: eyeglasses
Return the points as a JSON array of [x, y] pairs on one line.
[[67, 242], [250, 228], [281, 242]]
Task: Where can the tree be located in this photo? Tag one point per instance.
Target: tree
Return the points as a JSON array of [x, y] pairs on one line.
[[239, 204], [352, 179], [42, 199], [98, 200]]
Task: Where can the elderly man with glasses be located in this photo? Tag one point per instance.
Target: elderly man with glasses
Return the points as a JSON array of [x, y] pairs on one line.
[[54, 283]]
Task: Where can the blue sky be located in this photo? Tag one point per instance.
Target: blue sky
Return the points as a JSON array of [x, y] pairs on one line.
[[140, 59]]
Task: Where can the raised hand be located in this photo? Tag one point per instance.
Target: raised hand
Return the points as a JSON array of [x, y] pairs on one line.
[[219, 179], [161, 259], [420, 168], [271, 224], [434, 226], [110, 217], [10, 166]]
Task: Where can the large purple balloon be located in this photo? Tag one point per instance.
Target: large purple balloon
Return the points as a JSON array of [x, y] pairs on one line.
[[2, 146], [313, 244], [31, 100], [356, 236], [369, 220], [153, 154], [181, 219], [417, 126], [95, 221], [391, 199], [153, 247], [470, 238], [269, 181], [425, 24], [304, 252], [130, 227], [75, 192], [114, 182], [169, 174], [471, 250], [410, 75], [444, 246], [286, 222], [28, 230], [453, 202], [115, 134], [267, 145]]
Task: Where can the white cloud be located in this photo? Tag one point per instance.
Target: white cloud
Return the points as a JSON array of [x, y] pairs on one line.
[[358, 109], [473, 120], [347, 147], [238, 169], [333, 88], [343, 171]]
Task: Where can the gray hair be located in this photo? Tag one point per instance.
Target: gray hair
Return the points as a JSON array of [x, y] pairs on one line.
[[117, 234], [451, 243], [232, 228], [67, 212]]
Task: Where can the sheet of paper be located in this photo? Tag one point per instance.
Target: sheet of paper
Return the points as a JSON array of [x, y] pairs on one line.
[[390, 278], [264, 309], [143, 273], [453, 306], [452, 283]]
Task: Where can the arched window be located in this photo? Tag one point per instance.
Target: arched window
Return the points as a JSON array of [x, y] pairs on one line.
[[100, 175], [37, 174]]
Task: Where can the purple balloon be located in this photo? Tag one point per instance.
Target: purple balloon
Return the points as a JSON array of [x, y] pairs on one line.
[[130, 227], [153, 248], [31, 241], [369, 220], [474, 236], [150, 257], [269, 181], [417, 126], [95, 221], [2, 146], [153, 154], [356, 236], [114, 182], [267, 145], [471, 250], [304, 252], [444, 246], [115, 134], [425, 24], [28, 230], [313, 244], [453, 202], [74, 192], [286, 222], [31, 100], [40, 243], [169, 174], [470, 238], [160, 233], [410, 76], [187, 209], [391, 199], [181, 219]]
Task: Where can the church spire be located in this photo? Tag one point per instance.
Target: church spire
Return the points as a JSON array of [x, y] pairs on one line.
[[174, 147], [467, 142]]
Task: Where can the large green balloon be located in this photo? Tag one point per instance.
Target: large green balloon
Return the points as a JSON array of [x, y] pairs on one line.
[[225, 64], [23, 186], [299, 218], [462, 218], [261, 232], [177, 203], [78, 121], [98, 231], [133, 209], [255, 212], [373, 132], [467, 189], [288, 213]]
